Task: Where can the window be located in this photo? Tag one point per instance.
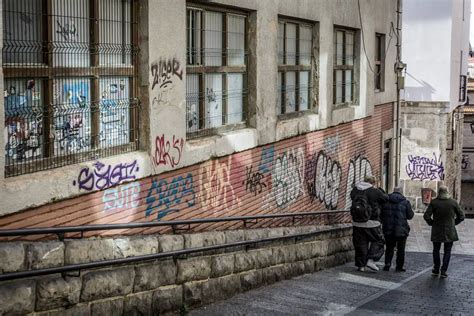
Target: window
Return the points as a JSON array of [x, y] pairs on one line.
[[69, 71], [379, 62], [344, 74], [216, 82], [294, 66]]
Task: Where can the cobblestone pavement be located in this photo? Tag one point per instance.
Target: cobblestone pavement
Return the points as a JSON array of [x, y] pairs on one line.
[[343, 290]]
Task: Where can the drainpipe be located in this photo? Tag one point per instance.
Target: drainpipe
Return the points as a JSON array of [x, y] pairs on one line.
[[398, 68]]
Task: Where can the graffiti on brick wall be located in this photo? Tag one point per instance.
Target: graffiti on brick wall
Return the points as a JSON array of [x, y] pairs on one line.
[[331, 144], [254, 181], [123, 197], [358, 169], [101, 176], [216, 190], [266, 159], [287, 177], [323, 180], [425, 168], [168, 152], [465, 162], [169, 196]]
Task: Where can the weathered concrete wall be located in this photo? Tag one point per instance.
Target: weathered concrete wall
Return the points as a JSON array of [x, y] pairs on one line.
[[163, 145], [431, 151], [314, 172], [160, 286]]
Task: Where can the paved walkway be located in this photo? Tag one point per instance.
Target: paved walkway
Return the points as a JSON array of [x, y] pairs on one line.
[[342, 290]]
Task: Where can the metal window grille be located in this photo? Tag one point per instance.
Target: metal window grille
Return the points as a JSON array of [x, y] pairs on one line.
[[295, 54], [344, 74], [216, 82], [70, 81], [379, 62]]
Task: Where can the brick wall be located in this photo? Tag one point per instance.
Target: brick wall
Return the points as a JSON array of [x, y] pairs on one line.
[[311, 172]]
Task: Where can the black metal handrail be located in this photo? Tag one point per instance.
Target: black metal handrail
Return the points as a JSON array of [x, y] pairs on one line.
[[162, 255], [85, 228]]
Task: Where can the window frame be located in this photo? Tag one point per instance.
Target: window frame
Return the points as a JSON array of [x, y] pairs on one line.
[[47, 72], [225, 69], [344, 67], [379, 76], [297, 68]]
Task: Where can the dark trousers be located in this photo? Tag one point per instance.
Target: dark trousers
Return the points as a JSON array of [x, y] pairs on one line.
[[368, 244], [391, 243], [447, 255]]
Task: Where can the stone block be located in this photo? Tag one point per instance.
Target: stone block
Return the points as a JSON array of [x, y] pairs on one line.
[[113, 307], [284, 254], [262, 258], [194, 269], [250, 279], [107, 283], [255, 234], [152, 276], [14, 252], [17, 297], [138, 304], [52, 293], [222, 265], [135, 246], [303, 251], [41, 255], [167, 299], [78, 310], [196, 293], [297, 268], [244, 261], [88, 250], [233, 236], [224, 287], [309, 266], [170, 243], [270, 275], [204, 239]]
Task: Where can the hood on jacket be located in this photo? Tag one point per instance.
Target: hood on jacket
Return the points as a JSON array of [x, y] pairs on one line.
[[363, 186], [396, 197], [443, 196]]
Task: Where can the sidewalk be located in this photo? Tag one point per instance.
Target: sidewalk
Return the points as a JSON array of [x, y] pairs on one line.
[[343, 290]]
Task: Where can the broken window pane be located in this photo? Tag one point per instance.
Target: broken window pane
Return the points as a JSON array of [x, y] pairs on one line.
[[213, 100], [192, 103]]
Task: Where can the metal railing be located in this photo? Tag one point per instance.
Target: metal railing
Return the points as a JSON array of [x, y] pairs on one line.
[[60, 231], [171, 254]]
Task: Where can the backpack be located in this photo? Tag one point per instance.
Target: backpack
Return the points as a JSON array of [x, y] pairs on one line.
[[360, 208]]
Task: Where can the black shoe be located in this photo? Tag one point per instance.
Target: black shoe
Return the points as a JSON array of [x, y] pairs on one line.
[[435, 272], [400, 270], [443, 275], [386, 268]]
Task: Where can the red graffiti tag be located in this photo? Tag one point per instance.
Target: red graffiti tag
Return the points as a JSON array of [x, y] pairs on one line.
[[168, 152]]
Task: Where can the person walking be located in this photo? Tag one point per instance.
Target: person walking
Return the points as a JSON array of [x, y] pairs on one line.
[[367, 235], [443, 214], [395, 215]]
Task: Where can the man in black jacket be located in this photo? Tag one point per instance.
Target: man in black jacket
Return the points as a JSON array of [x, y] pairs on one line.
[[395, 215], [367, 237]]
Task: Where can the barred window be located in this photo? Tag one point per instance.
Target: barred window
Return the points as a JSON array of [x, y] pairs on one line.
[[216, 82], [295, 47], [379, 62], [69, 79], [344, 74]]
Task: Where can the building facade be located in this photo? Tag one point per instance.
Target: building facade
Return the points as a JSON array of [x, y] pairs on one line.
[[126, 111], [435, 49]]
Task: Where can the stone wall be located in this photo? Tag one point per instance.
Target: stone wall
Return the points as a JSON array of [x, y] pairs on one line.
[[160, 286]]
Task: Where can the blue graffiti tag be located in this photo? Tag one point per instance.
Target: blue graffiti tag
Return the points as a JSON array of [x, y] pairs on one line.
[[166, 197], [266, 159]]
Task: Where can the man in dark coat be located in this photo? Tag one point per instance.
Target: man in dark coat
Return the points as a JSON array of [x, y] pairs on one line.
[[395, 215], [443, 214], [367, 237]]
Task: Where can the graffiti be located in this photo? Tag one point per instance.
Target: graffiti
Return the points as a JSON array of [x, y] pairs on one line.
[[254, 181], [287, 178], [266, 159], [102, 177], [163, 96], [164, 71], [166, 197], [123, 197], [358, 169], [216, 190], [114, 112], [424, 168], [168, 152], [211, 95], [331, 144], [465, 162], [326, 181], [67, 31]]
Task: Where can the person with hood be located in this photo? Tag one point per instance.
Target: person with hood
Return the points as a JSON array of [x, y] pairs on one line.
[[367, 235], [443, 214], [395, 215]]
